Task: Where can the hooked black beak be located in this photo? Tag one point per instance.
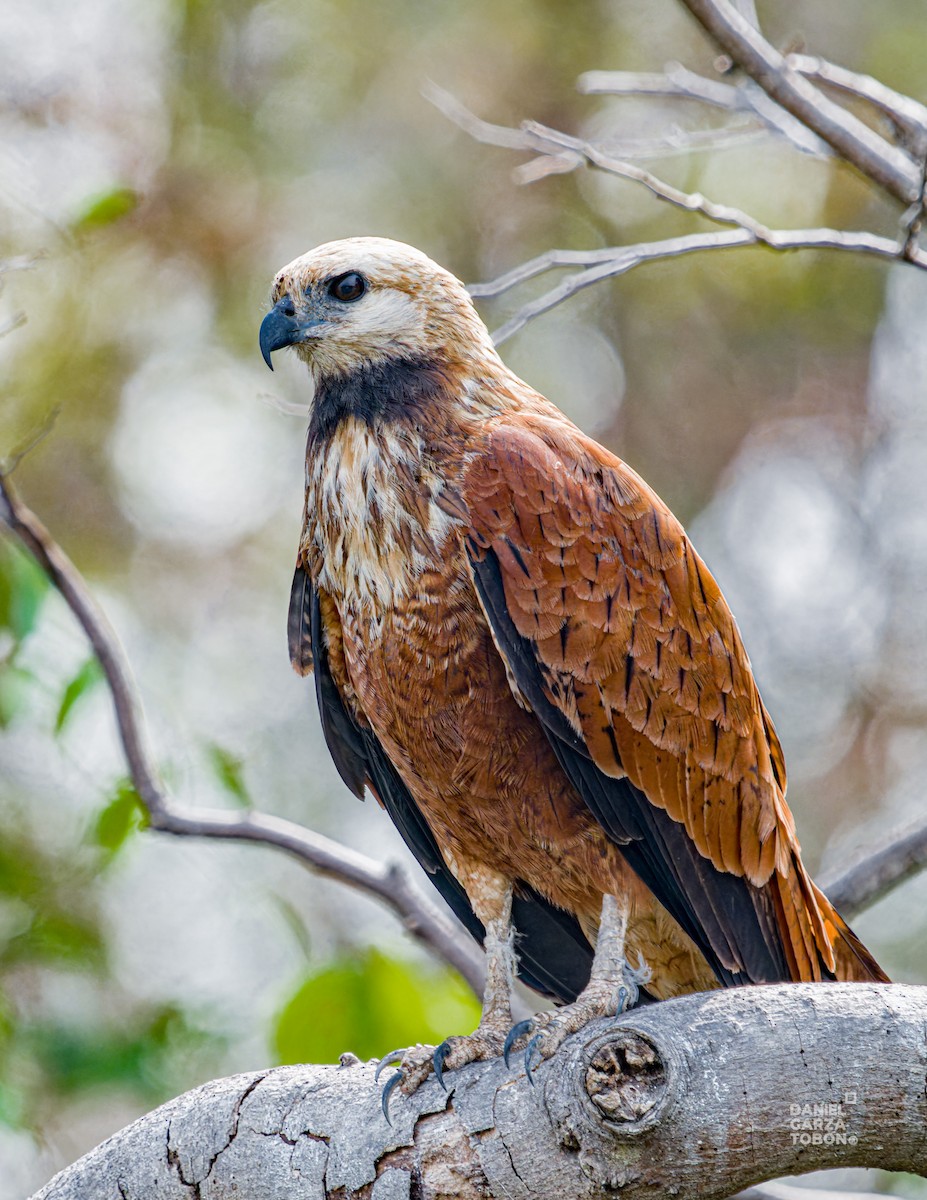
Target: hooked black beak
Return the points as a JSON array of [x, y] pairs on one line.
[[282, 328]]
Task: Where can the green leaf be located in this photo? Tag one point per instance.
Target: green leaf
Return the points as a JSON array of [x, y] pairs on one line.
[[12, 1106], [370, 1004], [296, 923], [15, 684], [90, 674], [121, 817], [228, 769], [58, 937], [23, 587], [141, 1055], [106, 209], [21, 871]]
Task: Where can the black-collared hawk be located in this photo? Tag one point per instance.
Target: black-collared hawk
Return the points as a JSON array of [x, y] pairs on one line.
[[518, 651]]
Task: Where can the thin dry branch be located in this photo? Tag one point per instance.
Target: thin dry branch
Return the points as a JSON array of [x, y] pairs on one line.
[[478, 129], [906, 114], [875, 873], [608, 263], [674, 141], [679, 83], [888, 166], [555, 142], [675, 81], [388, 882], [618, 260]]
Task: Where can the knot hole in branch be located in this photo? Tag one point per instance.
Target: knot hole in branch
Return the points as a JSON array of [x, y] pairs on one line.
[[626, 1078]]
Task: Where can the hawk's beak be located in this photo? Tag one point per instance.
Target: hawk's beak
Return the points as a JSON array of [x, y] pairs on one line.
[[281, 327]]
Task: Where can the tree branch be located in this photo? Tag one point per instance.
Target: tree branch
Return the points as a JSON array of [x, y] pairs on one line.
[[618, 260], [703, 1095], [389, 883], [678, 82], [906, 114], [567, 151], [875, 873], [886, 165]]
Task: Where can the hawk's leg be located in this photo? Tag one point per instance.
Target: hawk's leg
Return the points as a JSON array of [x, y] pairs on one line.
[[491, 897], [613, 987]]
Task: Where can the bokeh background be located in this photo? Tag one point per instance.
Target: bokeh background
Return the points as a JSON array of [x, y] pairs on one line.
[[159, 161]]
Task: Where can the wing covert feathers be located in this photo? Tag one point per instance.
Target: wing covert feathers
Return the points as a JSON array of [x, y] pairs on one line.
[[614, 628]]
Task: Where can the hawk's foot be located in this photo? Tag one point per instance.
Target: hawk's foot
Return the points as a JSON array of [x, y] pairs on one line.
[[547, 1031], [418, 1062]]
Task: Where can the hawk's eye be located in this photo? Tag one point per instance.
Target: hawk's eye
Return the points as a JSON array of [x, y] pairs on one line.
[[348, 287]]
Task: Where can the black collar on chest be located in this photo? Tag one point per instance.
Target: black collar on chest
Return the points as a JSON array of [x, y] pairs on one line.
[[396, 389]]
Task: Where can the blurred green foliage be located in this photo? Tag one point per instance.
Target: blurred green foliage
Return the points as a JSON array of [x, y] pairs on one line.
[[120, 817], [53, 936], [52, 928], [143, 1058], [105, 209], [87, 677], [23, 587], [229, 772], [370, 1004]]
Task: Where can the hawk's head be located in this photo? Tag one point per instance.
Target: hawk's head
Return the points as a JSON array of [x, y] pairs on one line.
[[363, 301]]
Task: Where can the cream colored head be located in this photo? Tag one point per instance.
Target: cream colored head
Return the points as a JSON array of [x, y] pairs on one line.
[[361, 301]]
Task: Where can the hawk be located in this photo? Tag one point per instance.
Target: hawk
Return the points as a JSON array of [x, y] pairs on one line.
[[517, 650]]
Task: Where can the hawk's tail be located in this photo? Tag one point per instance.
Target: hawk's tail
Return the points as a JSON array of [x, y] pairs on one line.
[[854, 963], [817, 942]]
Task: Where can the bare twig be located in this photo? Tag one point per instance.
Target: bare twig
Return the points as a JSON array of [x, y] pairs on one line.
[[479, 130], [39, 433], [914, 218], [19, 262], [886, 165], [603, 264], [389, 883], [607, 263], [678, 82], [675, 81], [614, 261], [723, 214], [673, 142], [908, 115]]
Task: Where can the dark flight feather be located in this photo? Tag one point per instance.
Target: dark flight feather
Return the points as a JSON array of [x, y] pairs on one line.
[[728, 919]]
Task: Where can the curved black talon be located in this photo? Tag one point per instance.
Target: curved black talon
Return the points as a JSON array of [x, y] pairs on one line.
[[392, 1059], [517, 1031], [530, 1050], [391, 1084], [437, 1061]]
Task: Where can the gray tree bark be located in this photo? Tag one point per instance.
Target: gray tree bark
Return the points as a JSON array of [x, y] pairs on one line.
[[705, 1095]]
